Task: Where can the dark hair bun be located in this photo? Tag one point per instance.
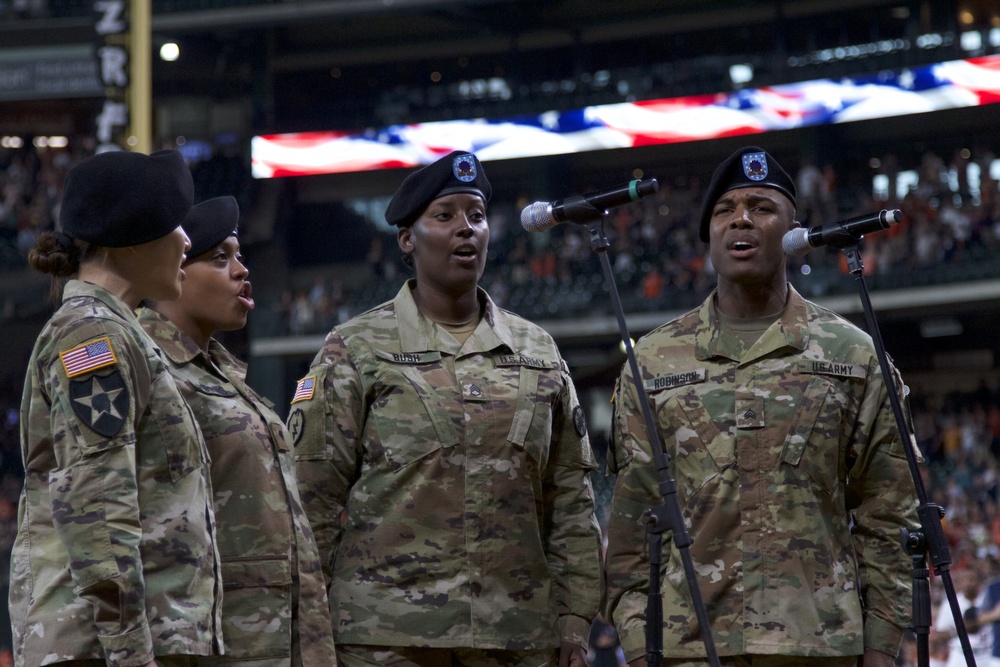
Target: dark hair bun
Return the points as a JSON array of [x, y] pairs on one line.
[[56, 254]]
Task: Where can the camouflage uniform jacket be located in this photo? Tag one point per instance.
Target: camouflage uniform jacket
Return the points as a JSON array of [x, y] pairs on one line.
[[270, 567], [463, 472], [115, 554], [792, 480]]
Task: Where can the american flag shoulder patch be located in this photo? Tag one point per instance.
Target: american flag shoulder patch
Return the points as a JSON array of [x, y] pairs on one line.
[[88, 357], [304, 389]]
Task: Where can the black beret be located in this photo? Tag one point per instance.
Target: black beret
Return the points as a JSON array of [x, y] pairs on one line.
[[118, 199], [749, 167], [210, 223], [458, 171]]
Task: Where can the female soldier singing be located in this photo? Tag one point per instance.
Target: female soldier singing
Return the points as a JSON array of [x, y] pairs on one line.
[[448, 433], [115, 558], [274, 611]]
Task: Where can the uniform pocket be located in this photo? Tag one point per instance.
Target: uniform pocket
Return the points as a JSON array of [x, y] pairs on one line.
[[699, 452], [411, 422], [256, 608], [813, 441], [531, 428]]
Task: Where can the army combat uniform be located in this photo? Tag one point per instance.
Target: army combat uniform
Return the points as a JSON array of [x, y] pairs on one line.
[[462, 473], [275, 610], [115, 555], [792, 479]]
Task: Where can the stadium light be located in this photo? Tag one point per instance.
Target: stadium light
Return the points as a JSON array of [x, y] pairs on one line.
[[55, 141], [971, 40], [741, 73], [170, 52]]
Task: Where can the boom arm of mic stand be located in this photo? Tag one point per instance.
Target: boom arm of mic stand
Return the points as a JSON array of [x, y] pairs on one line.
[[667, 515], [930, 540]]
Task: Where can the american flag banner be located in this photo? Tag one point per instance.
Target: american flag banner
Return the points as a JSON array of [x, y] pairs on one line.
[[927, 88], [304, 389], [85, 358]]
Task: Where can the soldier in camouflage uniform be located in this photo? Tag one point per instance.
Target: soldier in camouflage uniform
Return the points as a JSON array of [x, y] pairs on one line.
[[275, 610], [115, 559], [448, 434], [791, 474]]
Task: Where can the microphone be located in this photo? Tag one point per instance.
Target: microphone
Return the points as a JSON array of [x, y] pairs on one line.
[[799, 241], [542, 215]]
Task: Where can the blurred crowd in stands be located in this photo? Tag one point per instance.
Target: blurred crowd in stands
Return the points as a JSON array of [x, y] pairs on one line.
[[951, 224]]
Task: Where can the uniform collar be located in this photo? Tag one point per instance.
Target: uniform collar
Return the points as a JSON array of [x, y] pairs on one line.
[[790, 330], [177, 345], [419, 333], [181, 348], [80, 288]]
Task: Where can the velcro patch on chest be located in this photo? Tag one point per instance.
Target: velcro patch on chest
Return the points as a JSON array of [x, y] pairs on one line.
[[416, 358], [823, 367], [473, 392], [675, 380], [508, 360], [750, 412]]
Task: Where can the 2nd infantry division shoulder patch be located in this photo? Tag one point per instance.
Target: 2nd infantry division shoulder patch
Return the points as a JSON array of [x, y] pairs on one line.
[[100, 402]]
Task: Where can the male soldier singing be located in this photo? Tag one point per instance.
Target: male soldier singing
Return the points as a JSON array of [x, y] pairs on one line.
[[789, 465]]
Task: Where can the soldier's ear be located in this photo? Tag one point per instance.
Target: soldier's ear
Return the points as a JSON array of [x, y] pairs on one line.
[[404, 239]]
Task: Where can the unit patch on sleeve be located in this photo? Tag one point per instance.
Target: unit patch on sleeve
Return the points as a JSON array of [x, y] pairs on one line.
[[100, 402], [579, 421], [296, 425]]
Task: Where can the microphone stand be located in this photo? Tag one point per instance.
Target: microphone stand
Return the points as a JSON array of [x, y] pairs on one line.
[[667, 515], [929, 540]]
